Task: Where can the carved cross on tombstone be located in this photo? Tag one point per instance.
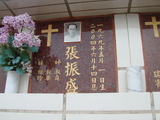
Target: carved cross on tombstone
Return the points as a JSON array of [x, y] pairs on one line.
[[154, 23], [49, 31]]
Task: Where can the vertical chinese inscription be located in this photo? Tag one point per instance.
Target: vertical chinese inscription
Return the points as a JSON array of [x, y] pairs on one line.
[[71, 69], [97, 57]]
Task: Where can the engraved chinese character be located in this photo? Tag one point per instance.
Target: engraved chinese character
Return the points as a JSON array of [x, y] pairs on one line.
[[100, 42], [93, 48], [93, 80], [93, 54], [157, 74], [93, 31], [100, 36], [57, 77], [93, 73], [58, 62], [101, 80], [100, 60], [93, 60], [71, 69], [100, 31], [93, 42], [102, 87], [40, 62], [71, 86], [94, 87], [93, 37], [157, 83], [101, 54], [92, 26], [71, 53], [57, 71], [48, 77], [93, 67], [39, 77], [101, 48], [100, 25], [48, 71], [40, 71]]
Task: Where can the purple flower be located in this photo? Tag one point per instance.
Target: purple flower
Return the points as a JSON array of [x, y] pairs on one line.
[[26, 38], [4, 38], [3, 30]]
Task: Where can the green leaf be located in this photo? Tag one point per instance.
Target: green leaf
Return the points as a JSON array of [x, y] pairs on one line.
[[2, 61], [25, 46], [9, 63], [10, 39], [9, 52], [16, 60], [20, 70], [25, 56], [34, 49], [7, 68]]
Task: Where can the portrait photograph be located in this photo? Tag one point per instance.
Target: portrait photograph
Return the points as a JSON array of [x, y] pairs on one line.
[[72, 32]]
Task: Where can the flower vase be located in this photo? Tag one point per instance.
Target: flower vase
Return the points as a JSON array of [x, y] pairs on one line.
[[12, 82], [23, 83]]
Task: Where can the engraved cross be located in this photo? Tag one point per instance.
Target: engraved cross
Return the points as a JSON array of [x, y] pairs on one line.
[[154, 23], [49, 31]]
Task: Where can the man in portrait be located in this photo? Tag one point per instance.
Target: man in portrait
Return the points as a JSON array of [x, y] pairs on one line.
[[72, 33]]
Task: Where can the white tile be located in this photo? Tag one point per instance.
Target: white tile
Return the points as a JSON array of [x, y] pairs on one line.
[[143, 80], [135, 41], [29, 3], [156, 100], [108, 101], [98, 12], [146, 9], [31, 101], [109, 117], [49, 17], [123, 57], [23, 83], [5, 13], [29, 116], [99, 5], [157, 116], [41, 10], [136, 3], [122, 83], [2, 6]]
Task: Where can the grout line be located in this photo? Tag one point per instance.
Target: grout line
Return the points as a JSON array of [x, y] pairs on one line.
[[64, 112], [64, 107], [152, 106], [124, 68]]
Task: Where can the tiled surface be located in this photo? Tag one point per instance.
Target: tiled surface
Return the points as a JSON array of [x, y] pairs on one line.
[[98, 5], [122, 82], [157, 100], [109, 101], [92, 71], [41, 10], [135, 42], [121, 32], [28, 3], [151, 52], [157, 116], [31, 101], [29, 116], [109, 117]]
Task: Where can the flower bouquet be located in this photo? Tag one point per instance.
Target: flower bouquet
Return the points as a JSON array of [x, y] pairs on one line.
[[17, 41]]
